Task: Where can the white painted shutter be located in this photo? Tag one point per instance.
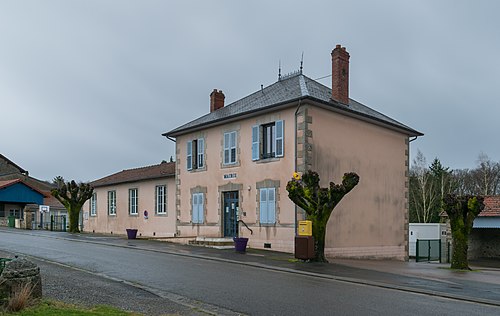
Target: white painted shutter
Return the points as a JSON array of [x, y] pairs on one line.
[[195, 208], [227, 150], [263, 206], [279, 144], [189, 155], [201, 151], [255, 142], [271, 205], [232, 147], [200, 208]]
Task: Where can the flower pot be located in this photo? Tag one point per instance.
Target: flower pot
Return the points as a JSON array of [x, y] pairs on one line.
[[131, 233], [240, 244]]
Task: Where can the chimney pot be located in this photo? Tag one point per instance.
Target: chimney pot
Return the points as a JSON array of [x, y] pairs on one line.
[[216, 100], [340, 75]]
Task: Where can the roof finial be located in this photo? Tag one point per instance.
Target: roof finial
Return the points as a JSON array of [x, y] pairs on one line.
[[279, 70], [301, 62]]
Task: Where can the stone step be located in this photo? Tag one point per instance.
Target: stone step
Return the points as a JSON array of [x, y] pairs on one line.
[[218, 243]]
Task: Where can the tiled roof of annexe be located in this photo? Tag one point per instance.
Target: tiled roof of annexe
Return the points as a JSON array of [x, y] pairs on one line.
[[284, 91], [491, 206], [162, 170]]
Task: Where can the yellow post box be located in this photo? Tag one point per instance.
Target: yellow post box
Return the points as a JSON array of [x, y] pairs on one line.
[[305, 228]]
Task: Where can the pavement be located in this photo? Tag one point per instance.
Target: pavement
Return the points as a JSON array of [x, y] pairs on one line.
[[481, 285]]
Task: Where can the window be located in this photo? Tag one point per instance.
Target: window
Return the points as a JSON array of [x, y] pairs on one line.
[[112, 202], [267, 140], [93, 204], [230, 148], [161, 199], [195, 154], [268, 205], [133, 201], [197, 205]]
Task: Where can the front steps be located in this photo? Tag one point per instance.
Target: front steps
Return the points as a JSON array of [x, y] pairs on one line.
[[211, 242]]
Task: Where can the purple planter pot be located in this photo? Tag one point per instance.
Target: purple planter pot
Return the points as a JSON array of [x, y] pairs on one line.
[[240, 244]]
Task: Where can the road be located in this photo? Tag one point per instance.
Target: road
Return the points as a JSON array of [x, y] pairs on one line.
[[234, 287]]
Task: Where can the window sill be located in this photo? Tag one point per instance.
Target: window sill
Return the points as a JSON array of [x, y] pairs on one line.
[[227, 165], [267, 224], [161, 214], [267, 160], [134, 215], [198, 170]]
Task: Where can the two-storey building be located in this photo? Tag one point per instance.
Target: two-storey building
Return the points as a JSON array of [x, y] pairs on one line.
[[233, 164]]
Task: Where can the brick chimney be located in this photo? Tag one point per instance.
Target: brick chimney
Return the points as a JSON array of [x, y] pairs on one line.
[[340, 75], [216, 100]]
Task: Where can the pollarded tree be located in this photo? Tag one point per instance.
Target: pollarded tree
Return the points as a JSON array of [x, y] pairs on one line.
[[461, 210], [72, 195], [318, 203]]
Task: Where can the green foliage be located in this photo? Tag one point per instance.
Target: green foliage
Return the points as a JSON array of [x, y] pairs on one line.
[[318, 203], [55, 308], [428, 186], [461, 210], [72, 195]]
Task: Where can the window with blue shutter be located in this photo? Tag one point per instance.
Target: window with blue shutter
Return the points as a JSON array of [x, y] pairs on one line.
[[229, 148], [197, 211], [189, 159], [279, 138], [255, 142], [200, 152], [268, 140], [268, 206]]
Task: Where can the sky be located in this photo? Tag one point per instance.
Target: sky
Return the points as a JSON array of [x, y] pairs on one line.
[[88, 87]]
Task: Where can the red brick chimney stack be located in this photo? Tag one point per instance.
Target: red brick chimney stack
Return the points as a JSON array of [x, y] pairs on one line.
[[340, 75], [216, 100]]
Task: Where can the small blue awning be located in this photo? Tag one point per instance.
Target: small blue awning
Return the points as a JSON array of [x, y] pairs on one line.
[[487, 222]]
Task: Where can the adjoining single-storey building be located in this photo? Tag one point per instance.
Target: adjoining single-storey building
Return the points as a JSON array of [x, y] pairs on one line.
[[26, 202], [484, 240], [233, 165], [141, 198]]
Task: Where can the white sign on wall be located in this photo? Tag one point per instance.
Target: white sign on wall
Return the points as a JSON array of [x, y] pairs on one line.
[[230, 176]]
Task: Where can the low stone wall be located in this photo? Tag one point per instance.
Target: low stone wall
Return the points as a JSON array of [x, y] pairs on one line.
[[4, 221]]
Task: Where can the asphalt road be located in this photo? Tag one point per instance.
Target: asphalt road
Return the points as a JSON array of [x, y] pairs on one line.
[[223, 288]]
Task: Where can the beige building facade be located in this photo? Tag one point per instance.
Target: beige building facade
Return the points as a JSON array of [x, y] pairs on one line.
[[141, 198], [233, 164]]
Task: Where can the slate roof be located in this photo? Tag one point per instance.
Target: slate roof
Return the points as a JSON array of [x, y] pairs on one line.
[[163, 170], [287, 90], [491, 206]]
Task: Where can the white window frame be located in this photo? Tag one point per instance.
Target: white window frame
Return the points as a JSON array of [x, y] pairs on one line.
[[161, 199], [275, 141], [230, 148], [195, 154], [93, 204], [112, 203], [133, 201], [197, 208], [267, 206]]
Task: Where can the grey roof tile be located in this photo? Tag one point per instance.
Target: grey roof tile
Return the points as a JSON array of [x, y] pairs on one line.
[[288, 89]]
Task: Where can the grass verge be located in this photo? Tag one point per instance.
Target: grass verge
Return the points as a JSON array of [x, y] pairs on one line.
[[55, 308]]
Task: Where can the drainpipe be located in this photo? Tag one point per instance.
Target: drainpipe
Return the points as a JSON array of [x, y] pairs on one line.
[[295, 160]]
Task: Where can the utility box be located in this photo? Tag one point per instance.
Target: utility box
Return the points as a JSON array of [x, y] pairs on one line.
[[304, 247], [305, 228]]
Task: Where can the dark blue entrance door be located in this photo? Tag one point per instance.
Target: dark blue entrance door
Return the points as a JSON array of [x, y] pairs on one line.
[[231, 214]]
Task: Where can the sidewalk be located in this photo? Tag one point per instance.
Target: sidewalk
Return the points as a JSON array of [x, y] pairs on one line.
[[480, 285]]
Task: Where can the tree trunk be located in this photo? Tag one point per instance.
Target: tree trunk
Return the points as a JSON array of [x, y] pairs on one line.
[[460, 245], [74, 217], [319, 232]]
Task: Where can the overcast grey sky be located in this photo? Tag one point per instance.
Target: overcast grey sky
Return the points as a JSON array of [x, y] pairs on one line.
[[88, 87]]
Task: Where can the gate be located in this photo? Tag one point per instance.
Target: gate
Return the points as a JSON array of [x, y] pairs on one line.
[[58, 223], [428, 250]]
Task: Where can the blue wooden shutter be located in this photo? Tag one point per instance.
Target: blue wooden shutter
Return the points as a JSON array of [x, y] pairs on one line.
[[271, 205], [255, 142], [232, 147], [201, 151], [201, 202], [279, 145], [195, 208], [263, 206], [227, 149], [189, 155]]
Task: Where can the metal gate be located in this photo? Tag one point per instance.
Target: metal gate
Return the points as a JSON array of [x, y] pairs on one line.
[[428, 250], [58, 223]]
